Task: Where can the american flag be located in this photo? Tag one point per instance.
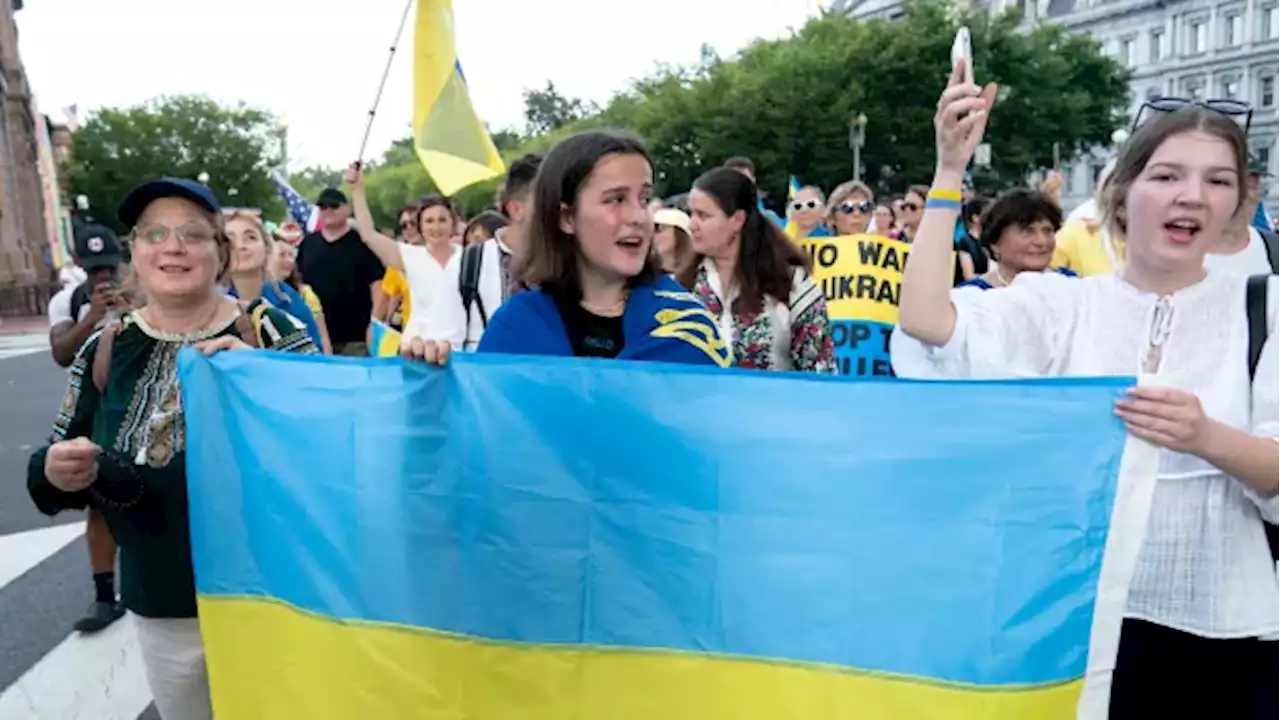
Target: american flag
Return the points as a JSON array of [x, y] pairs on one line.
[[303, 212]]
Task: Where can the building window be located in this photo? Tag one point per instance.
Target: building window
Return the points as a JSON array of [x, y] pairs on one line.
[[1231, 88], [1127, 55], [1157, 45], [1233, 27], [1152, 93], [1263, 154], [1270, 23], [1192, 89], [1267, 91], [1197, 34]]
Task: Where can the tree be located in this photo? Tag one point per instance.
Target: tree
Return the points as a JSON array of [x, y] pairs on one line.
[[311, 180], [788, 103], [180, 136], [546, 109]]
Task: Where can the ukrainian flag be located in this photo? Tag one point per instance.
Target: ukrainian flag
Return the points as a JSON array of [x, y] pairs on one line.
[[450, 139], [384, 340], [793, 188], [564, 539]]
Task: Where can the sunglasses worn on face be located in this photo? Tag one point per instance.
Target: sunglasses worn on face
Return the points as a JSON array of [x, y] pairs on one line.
[[1230, 108], [910, 207], [798, 205], [849, 208], [326, 206]]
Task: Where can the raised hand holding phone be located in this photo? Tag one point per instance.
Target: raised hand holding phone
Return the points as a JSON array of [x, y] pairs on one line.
[[962, 49], [961, 121]]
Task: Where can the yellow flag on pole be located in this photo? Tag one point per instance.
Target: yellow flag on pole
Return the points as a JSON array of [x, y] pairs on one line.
[[450, 140]]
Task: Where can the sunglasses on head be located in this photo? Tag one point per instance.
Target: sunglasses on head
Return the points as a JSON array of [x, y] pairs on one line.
[[798, 205], [1230, 108], [849, 207]]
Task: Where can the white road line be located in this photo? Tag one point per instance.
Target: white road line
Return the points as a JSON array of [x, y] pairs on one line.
[[22, 551], [16, 345], [97, 677]]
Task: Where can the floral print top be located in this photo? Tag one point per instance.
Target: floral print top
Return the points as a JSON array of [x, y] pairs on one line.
[[795, 335]]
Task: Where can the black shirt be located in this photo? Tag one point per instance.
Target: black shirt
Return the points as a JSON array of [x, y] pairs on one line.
[[341, 272], [590, 335]]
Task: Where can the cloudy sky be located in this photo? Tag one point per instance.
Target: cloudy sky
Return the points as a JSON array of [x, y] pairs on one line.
[[316, 63]]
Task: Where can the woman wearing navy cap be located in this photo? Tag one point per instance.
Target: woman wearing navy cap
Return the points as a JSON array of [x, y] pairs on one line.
[[118, 443]]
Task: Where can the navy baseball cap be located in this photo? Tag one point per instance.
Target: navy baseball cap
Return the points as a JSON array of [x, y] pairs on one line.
[[143, 195], [97, 247]]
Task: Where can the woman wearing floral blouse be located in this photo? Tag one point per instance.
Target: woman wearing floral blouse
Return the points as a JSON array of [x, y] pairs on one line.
[[755, 280]]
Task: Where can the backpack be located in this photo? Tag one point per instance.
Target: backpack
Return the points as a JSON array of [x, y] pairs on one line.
[[1270, 240], [248, 326], [80, 297], [469, 286], [1256, 311]]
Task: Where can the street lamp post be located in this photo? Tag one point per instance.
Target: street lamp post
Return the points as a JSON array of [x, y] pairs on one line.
[[857, 141]]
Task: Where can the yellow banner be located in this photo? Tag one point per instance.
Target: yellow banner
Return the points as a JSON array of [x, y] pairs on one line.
[[861, 275]]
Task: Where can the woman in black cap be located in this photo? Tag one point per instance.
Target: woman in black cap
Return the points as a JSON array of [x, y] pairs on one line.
[[118, 443]]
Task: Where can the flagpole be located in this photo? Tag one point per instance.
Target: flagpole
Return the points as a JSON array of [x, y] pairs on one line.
[[377, 99]]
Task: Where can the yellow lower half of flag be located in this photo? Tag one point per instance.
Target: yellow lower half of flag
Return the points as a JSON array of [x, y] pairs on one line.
[[270, 660]]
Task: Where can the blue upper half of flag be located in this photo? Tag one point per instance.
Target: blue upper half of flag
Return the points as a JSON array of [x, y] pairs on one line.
[[951, 531]]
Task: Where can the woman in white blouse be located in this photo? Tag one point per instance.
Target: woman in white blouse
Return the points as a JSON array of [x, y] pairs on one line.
[[1202, 612]]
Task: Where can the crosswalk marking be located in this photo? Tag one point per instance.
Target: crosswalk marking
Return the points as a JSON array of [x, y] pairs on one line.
[[99, 676], [17, 344], [22, 551]]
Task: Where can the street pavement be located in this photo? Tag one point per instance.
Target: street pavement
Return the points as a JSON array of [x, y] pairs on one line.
[[48, 672]]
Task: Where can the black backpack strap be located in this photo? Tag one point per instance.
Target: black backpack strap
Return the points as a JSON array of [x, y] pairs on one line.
[[79, 298], [469, 284], [1255, 305], [1271, 241]]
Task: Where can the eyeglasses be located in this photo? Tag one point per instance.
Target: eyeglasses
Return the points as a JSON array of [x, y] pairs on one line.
[[1222, 106], [798, 205], [849, 208], [190, 234]]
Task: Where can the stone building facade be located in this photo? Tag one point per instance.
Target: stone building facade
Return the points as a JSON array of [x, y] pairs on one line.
[[23, 231]]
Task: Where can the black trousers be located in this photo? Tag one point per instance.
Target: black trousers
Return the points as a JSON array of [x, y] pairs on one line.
[[1161, 672]]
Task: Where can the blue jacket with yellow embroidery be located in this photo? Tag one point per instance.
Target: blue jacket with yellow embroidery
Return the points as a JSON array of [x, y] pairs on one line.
[[662, 322]]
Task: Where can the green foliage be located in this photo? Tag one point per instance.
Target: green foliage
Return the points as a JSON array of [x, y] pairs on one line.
[[788, 103], [181, 136], [546, 109]]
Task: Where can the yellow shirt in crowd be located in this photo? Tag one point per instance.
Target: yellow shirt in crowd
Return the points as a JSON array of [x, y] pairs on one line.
[[312, 300], [395, 285], [1082, 248]]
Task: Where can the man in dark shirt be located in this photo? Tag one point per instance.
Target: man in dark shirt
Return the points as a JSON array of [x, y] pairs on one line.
[[343, 271]]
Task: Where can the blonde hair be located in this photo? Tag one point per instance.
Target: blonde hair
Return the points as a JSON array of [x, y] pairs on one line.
[[1150, 135], [254, 217]]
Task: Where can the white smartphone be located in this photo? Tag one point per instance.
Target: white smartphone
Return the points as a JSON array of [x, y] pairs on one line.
[[963, 48]]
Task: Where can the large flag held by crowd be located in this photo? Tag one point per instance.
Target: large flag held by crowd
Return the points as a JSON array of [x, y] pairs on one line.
[[594, 549], [300, 209]]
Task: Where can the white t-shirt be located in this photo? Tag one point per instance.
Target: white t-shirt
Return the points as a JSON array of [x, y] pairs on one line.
[[446, 319], [1250, 260], [423, 273], [72, 275], [60, 306]]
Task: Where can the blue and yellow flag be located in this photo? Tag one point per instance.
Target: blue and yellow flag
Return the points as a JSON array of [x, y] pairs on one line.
[[793, 188], [450, 139], [564, 539], [384, 340]]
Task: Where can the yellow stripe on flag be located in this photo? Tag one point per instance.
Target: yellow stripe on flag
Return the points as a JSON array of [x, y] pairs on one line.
[[451, 142], [339, 670]]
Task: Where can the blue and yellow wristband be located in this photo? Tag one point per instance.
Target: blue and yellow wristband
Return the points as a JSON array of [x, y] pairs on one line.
[[944, 200]]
